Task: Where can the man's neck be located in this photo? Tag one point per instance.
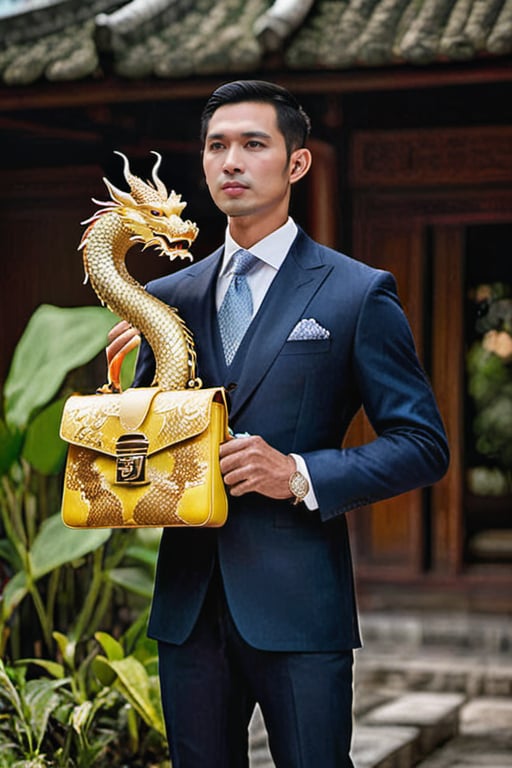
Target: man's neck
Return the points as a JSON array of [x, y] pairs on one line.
[[246, 233]]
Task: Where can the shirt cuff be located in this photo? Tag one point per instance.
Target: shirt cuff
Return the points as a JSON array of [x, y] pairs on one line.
[[310, 498]]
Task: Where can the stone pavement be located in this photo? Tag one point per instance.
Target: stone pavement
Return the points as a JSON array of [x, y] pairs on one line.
[[431, 691], [484, 739]]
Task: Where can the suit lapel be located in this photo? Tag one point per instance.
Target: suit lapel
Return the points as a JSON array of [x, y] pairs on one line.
[[297, 281]]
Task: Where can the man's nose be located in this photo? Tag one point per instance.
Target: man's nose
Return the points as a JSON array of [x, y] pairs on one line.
[[233, 161]]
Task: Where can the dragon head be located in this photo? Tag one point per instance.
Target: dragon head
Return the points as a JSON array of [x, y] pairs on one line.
[[151, 213]]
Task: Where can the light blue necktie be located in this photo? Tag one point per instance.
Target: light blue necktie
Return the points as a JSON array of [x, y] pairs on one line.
[[235, 312]]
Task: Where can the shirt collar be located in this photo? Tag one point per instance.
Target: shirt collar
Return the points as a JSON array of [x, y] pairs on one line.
[[272, 249]]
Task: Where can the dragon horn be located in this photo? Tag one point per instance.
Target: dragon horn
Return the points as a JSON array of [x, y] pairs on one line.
[[126, 166], [121, 198], [140, 191], [162, 189]]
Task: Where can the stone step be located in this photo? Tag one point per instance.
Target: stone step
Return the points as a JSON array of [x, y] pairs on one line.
[[429, 672], [377, 746], [259, 753], [484, 740], [435, 716], [485, 634]]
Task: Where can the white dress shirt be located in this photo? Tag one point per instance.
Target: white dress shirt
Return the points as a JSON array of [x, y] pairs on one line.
[[271, 252]]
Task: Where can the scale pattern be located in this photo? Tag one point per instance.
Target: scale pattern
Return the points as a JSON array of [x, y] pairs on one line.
[[152, 217]]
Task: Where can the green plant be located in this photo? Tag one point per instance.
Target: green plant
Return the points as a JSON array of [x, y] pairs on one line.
[[29, 705], [489, 377], [54, 710], [88, 709], [135, 678], [36, 545]]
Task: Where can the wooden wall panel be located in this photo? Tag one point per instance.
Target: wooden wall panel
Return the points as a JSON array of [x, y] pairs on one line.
[[448, 382], [323, 205], [440, 157], [40, 231], [415, 193], [388, 536]]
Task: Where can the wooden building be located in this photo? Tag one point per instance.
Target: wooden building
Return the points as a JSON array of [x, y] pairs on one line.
[[411, 108]]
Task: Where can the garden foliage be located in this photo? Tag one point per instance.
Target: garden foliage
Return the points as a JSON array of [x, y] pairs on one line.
[[78, 676]]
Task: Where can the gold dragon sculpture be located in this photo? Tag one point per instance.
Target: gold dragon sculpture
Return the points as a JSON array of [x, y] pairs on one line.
[[150, 215], [147, 456]]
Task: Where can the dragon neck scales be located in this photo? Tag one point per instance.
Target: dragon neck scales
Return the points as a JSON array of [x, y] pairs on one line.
[[151, 216]]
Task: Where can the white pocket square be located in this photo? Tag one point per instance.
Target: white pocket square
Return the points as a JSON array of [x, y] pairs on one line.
[[308, 329]]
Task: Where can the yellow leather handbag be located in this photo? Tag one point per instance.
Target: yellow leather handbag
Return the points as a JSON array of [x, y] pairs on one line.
[[144, 458]]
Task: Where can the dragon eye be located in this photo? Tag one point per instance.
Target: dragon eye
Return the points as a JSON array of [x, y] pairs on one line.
[[156, 213]]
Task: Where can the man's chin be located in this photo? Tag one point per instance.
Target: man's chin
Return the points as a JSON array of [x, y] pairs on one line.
[[234, 208]]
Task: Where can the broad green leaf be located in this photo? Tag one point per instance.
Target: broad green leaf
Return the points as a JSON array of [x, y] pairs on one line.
[[8, 690], [53, 668], [145, 546], [142, 554], [66, 646], [135, 580], [135, 686], [56, 545], [146, 652], [103, 671], [56, 340], [43, 448], [110, 645], [10, 447], [14, 592], [148, 537], [41, 698], [9, 555]]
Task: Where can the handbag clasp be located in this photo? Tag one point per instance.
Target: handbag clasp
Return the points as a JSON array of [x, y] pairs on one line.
[[131, 455]]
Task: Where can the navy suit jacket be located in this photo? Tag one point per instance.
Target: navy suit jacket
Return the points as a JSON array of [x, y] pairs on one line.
[[287, 571]]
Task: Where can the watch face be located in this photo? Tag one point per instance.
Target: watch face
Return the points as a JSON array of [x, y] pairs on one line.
[[299, 485]]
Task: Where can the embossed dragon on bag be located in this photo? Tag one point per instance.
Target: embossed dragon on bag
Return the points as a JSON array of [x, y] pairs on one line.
[[147, 456]]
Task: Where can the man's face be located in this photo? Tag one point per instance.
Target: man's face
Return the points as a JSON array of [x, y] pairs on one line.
[[246, 165]]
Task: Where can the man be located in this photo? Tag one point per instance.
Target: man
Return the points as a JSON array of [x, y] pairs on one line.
[[263, 609]]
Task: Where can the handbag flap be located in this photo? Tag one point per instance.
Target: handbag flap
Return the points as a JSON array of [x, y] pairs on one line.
[[163, 417], [134, 407]]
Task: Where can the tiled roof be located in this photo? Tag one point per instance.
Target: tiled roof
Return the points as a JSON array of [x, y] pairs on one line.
[[70, 39]]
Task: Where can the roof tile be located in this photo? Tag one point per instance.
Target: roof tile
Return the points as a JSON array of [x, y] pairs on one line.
[[181, 38]]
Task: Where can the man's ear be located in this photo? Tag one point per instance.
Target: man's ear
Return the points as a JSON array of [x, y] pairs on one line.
[[300, 163]]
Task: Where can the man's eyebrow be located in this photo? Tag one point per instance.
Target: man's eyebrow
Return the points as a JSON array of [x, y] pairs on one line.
[[245, 134]]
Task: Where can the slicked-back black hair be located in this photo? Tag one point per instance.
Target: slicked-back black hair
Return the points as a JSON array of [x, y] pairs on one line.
[[292, 121]]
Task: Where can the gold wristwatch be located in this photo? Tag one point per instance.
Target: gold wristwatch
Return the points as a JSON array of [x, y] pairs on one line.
[[299, 486]]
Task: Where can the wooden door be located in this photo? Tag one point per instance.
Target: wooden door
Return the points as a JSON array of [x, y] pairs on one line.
[[416, 197]]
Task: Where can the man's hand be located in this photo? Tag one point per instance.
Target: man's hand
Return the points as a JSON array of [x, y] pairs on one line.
[[249, 464], [122, 338]]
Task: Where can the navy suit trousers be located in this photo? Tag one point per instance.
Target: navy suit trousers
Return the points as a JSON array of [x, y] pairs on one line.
[[211, 683]]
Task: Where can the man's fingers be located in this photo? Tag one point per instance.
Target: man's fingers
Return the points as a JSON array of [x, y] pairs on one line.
[[235, 456], [233, 445], [126, 340], [118, 329], [251, 464]]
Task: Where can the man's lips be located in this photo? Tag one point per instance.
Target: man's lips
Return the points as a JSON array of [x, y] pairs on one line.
[[233, 188]]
